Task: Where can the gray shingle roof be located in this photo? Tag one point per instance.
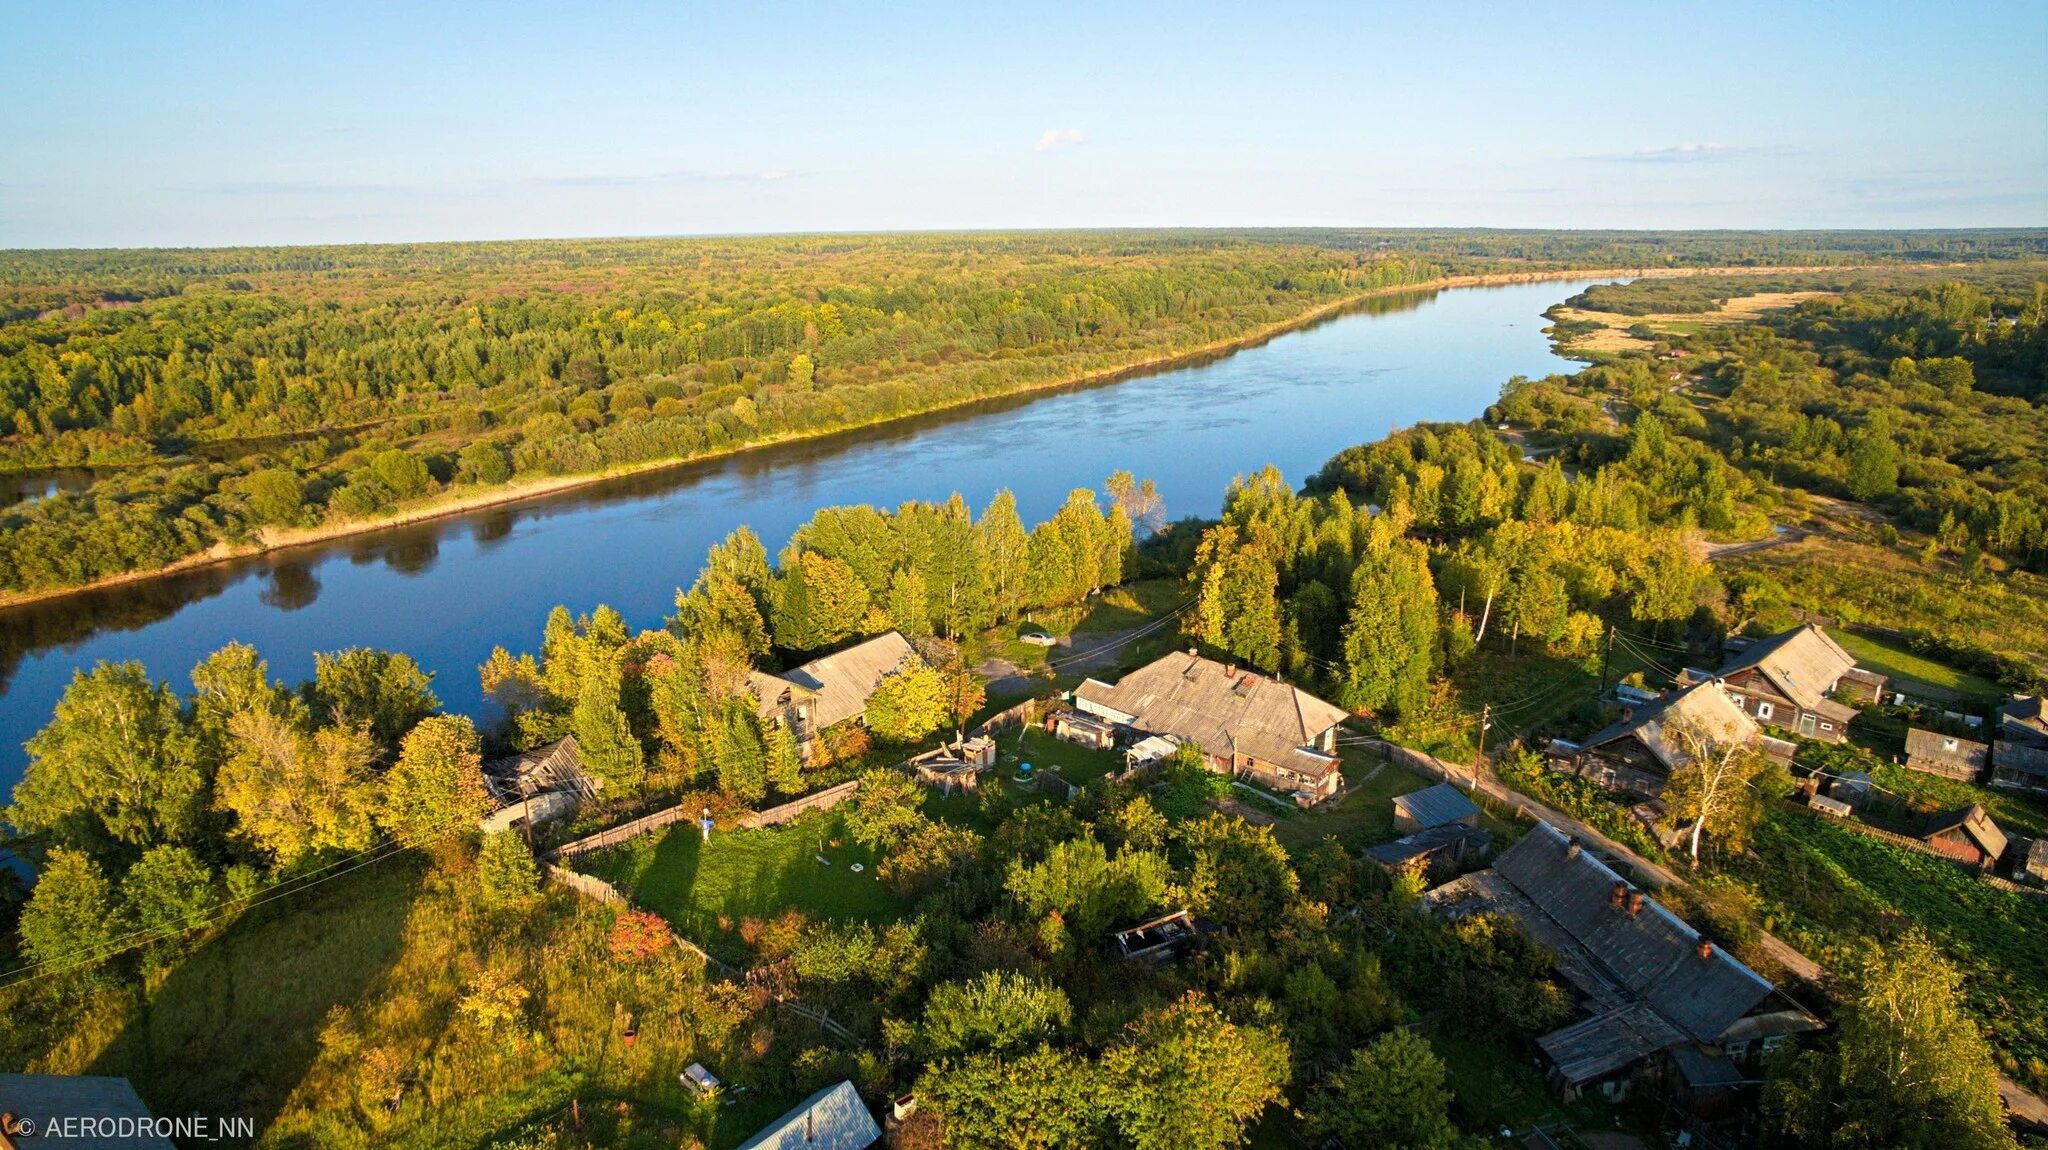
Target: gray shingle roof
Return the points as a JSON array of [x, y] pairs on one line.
[[2025, 718], [1975, 822], [1652, 955], [1705, 705], [842, 681], [1435, 806], [1222, 709], [832, 1119], [1803, 663], [1945, 748], [1424, 842], [1593, 1048], [556, 766]]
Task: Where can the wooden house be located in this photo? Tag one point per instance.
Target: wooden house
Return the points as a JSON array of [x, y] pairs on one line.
[[1440, 805], [2019, 752], [538, 786], [1637, 753], [830, 689], [1248, 725], [1967, 835], [1799, 681], [1950, 756], [1649, 986]]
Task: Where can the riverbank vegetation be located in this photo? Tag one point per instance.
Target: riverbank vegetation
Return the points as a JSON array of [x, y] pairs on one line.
[[231, 399], [206, 854]]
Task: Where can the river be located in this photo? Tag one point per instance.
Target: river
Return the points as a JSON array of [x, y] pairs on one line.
[[448, 590]]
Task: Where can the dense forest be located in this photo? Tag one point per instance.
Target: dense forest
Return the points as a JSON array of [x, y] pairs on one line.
[[227, 398]]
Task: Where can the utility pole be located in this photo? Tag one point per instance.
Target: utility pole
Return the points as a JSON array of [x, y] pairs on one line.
[[1606, 653], [1485, 725]]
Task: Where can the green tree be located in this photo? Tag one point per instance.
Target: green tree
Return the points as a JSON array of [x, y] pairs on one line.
[[484, 464], [1390, 639], [116, 769], [604, 738], [1390, 1093], [1237, 607], [1873, 463], [1186, 1078], [506, 876], [906, 604], [379, 690], [401, 472], [275, 494], [996, 1012], [739, 752], [910, 704], [819, 601], [73, 916], [1906, 1067], [168, 889], [1006, 550], [1090, 891], [437, 784], [1039, 1100], [295, 790]]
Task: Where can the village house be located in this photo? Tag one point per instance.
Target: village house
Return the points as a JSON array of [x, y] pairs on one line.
[[1637, 753], [1248, 725], [1798, 680], [537, 786], [830, 689], [1663, 1005], [1159, 941], [1967, 835], [2019, 756], [1440, 805], [1435, 852], [1950, 756]]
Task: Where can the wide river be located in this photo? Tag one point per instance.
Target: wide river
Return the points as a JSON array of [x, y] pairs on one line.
[[449, 590]]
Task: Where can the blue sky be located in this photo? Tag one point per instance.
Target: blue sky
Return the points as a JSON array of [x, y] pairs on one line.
[[162, 124]]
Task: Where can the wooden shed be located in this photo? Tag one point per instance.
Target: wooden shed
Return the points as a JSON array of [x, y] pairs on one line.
[[1967, 835], [1950, 756]]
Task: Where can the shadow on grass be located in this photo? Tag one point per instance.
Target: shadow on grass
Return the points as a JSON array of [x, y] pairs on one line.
[[236, 1026]]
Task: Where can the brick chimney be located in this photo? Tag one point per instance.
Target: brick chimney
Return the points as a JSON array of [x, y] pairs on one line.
[[1635, 903], [1706, 950], [1618, 895], [1571, 847]]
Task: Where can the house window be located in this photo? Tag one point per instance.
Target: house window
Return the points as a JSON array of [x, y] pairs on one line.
[[1736, 1050], [1772, 1042], [1948, 744], [1827, 726], [1763, 709]]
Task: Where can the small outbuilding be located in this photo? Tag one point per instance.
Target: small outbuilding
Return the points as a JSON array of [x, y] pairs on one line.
[[1828, 806], [1950, 756], [2033, 866], [1162, 940], [1435, 852], [1437, 806], [1967, 835], [955, 766], [1083, 730], [1850, 787], [832, 1119]]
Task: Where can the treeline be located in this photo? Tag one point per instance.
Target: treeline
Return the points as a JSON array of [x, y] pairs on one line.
[[1401, 556], [675, 708], [1927, 402], [292, 398], [149, 812]]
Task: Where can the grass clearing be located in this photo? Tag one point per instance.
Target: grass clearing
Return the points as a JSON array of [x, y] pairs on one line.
[[707, 889], [1363, 816], [1909, 671]]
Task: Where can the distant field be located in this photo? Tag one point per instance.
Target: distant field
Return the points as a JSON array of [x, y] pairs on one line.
[[1613, 335], [706, 890]]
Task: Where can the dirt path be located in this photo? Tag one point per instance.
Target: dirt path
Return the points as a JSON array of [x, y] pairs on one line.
[[1779, 537]]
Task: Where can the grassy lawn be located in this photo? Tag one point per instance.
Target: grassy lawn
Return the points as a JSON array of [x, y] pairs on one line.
[[1823, 887], [1364, 815], [1077, 764], [2015, 813], [1495, 1085], [1909, 670], [707, 889]]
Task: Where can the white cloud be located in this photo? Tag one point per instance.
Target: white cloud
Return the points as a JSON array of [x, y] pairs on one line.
[[1681, 154], [1055, 138]]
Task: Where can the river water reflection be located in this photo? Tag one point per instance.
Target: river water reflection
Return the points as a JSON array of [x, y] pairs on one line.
[[449, 590]]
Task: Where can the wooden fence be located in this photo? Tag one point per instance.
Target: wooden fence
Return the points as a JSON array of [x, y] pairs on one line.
[[822, 801], [683, 812], [1009, 719]]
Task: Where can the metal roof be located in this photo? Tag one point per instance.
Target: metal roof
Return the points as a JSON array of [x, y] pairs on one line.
[[832, 1119], [40, 1098], [1224, 709], [1435, 806]]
